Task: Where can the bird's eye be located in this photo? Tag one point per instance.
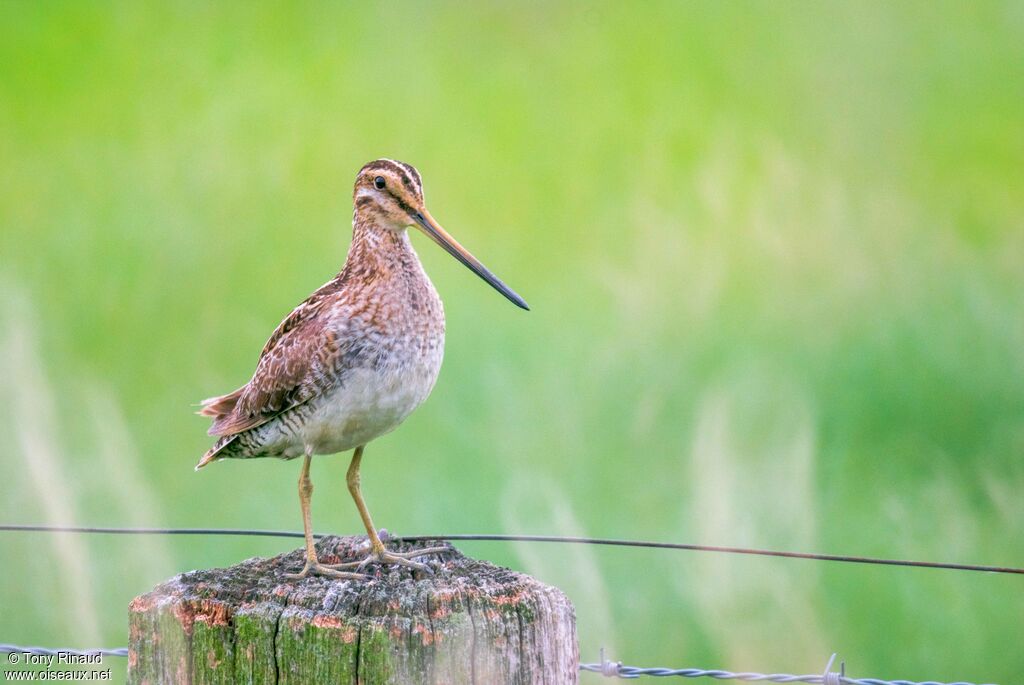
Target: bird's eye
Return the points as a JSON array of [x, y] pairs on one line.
[[379, 182]]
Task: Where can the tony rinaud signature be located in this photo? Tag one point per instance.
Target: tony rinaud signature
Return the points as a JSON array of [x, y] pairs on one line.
[[58, 659]]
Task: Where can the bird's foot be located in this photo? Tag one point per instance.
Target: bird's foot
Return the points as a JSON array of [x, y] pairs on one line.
[[382, 556], [315, 568]]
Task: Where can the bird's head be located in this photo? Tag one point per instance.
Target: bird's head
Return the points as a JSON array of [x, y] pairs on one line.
[[389, 194]]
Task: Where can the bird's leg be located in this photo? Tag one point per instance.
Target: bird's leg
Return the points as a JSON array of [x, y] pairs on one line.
[[378, 552], [313, 566], [354, 481]]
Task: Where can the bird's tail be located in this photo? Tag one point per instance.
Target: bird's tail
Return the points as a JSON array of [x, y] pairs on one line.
[[218, 408], [222, 405], [214, 453]]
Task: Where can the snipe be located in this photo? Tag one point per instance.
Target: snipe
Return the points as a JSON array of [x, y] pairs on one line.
[[355, 359]]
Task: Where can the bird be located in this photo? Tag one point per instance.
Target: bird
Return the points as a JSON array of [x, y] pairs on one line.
[[353, 360]]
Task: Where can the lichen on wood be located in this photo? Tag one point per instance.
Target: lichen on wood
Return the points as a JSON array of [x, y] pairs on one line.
[[467, 622]]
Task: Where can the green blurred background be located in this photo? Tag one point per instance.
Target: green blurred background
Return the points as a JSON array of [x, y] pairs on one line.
[[775, 255]]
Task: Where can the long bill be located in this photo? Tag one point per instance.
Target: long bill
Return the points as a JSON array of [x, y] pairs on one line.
[[452, 247]]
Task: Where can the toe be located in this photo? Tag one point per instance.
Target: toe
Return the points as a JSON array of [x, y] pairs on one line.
[[341, 575], [342, 566], [300, 575], [316, 569], [402, 561], [420, 552]]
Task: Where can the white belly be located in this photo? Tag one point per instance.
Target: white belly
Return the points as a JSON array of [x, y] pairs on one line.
[[372, 402]]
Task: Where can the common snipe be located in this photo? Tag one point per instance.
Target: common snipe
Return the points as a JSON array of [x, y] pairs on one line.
[[355, 359]]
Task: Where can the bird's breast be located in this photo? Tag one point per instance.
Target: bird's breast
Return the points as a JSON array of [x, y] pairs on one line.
[[393, 334], [374, 398]]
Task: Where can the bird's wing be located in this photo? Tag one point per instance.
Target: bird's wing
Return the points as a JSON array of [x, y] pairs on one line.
[[294, 367]]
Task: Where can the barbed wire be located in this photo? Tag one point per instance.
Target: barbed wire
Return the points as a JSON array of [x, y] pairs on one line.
[[533, 538], [56, 651], [615, 669], [609, 669], [630, 672]]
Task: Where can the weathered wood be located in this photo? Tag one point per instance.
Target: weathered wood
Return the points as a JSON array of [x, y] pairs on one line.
[[469, 622]]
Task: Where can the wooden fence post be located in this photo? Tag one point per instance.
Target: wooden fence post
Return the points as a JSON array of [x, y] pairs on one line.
[[469, 622]]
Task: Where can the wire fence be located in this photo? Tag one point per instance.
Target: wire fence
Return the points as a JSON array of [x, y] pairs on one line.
[[57, 651], [605, 667], [615, 669], [843, 558], [608, 669]]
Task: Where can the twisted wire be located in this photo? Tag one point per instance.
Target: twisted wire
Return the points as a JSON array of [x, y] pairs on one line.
[[630, 672], [46, 651]]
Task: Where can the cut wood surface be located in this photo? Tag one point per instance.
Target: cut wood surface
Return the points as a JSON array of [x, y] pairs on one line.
[[468, 622]]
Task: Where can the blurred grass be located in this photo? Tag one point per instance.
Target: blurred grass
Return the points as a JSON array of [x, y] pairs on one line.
[[775, 255]]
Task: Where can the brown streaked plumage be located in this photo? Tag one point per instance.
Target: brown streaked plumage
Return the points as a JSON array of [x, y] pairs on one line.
[[353, 360]]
